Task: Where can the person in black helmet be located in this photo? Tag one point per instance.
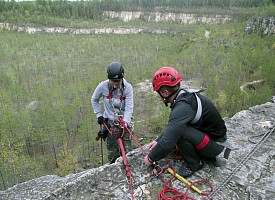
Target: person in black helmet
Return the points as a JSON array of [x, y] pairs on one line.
[[195, 127], [117, 95]]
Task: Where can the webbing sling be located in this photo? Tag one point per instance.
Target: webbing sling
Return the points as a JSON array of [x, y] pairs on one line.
[[199, 109]]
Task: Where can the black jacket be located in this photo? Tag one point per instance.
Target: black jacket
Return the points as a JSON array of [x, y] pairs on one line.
[[183, 110]]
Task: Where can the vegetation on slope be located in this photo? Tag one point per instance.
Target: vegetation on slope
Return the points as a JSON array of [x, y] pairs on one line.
[[47, 123]]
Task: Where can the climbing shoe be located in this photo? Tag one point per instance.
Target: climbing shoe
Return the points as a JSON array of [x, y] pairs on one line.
[[185, 171]]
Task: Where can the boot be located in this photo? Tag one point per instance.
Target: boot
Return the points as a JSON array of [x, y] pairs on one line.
[[185, 171]]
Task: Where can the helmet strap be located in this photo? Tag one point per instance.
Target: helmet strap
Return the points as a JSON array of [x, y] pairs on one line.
[[165, 99]]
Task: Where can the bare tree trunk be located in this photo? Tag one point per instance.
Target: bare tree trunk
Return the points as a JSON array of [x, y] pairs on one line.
[[3, 180], [55, 156]]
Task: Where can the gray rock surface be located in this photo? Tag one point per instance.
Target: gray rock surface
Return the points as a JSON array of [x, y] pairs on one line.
[[264, 25], [247, 174]]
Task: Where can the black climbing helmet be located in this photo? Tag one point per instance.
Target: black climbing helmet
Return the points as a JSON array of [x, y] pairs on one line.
[[115, 71]]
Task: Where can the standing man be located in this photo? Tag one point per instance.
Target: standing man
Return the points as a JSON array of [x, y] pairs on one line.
[[194, 127], [117, 96]]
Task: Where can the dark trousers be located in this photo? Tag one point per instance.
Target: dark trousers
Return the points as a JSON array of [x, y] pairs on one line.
[[192, 156], [112, 143]]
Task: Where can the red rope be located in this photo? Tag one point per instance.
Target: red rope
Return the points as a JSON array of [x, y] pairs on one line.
[[201, 181], [127, 169], [168, 192]]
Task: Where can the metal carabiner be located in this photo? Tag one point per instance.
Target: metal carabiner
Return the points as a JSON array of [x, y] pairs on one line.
[[157, 170]]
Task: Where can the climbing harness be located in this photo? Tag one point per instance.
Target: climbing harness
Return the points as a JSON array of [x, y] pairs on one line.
[[110, 97], [199, 109], [239, 166]]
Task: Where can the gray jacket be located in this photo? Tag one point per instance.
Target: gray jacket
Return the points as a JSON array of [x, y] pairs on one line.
[[115, 104]]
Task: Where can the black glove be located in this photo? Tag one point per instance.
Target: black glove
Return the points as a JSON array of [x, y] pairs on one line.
[[102, 133], [100, 120]]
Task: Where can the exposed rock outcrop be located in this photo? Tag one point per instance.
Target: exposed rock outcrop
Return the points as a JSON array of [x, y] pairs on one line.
[[181, 18], [124, 16], [264, 25], [253, 166], [89, 31]]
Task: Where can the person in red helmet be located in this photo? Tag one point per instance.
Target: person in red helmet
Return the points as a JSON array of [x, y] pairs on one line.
[[195, 126]]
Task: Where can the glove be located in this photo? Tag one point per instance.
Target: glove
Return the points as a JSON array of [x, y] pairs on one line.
[[100, 120], [102, 134]]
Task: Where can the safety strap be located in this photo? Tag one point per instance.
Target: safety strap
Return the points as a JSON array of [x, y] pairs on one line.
[[110, 96], [199, 109]]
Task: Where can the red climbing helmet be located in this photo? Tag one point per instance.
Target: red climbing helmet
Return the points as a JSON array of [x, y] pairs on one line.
[[165, 76]]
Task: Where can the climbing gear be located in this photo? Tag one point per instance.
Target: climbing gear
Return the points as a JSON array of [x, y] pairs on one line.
[[100, 120], [111, 89], [125, 162], [123, 127], [190, 185], [157, 171], [115, 71], [102, 133], [239, 166], [117, 110], [165, 76], [199, 108], [101, 145], [123, 154]]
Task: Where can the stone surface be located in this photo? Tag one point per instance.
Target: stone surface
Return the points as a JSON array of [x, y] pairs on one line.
[[253, 169], [264, 25]]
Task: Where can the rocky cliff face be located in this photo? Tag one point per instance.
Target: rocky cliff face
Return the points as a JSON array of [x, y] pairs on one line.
[[181, 18], [264, 25], [247, 174]]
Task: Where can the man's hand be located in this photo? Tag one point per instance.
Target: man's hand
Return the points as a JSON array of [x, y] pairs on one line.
[[147, 161], [102, 134], [100, 120], [152, 145]]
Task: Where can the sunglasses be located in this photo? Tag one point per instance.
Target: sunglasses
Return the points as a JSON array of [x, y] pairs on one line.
[[116, 80]]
